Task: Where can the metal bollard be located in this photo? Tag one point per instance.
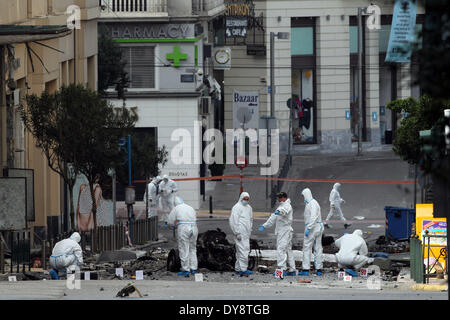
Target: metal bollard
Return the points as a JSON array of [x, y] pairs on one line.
[[108, 238], [110, 242], [210, 207]]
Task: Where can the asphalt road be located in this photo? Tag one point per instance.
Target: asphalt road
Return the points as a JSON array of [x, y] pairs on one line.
[[205, 291]]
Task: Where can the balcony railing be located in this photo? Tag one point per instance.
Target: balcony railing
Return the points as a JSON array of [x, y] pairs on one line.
[[207, 7], [132, 8]]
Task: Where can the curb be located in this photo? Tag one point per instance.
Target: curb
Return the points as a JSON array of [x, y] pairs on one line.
[[430, 287]]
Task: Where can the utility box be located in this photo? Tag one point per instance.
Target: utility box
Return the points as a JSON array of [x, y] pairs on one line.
[[399, 222], [435, 226], [130, 195]]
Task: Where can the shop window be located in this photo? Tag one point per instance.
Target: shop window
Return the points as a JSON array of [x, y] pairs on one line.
[[354, 81], [302, 111], [302, 41], [303, 82]]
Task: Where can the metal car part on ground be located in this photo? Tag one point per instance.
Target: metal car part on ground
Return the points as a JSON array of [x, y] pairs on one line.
[[214, 253]]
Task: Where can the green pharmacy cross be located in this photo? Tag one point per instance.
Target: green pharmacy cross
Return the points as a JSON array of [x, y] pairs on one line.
[[176, 56]]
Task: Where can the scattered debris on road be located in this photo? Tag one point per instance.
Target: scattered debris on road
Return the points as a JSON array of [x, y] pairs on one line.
[[127, 290]]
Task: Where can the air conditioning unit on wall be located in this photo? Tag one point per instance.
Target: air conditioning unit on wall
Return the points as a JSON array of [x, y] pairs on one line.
[[204, 105]]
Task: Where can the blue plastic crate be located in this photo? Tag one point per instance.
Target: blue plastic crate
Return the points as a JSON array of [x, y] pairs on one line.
[[399, 222]]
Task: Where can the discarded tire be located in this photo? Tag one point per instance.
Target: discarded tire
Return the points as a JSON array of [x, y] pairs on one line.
[[173, 261]]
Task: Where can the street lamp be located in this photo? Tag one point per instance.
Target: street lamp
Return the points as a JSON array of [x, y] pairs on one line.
[[282, 36], [361, 11]]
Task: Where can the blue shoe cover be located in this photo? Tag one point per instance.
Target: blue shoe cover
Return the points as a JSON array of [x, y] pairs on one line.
[[183, 273], [193, 271], [351, 272], [54, 274], [303, 273], [247, 272]]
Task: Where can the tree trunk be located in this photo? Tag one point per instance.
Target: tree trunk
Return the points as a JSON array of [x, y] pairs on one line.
[[94, 204], [72, 208]]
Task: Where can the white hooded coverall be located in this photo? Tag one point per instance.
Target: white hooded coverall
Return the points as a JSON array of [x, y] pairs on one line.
[[153, 198], [187, 233], [284, 232], [352, 250], [241, 222], [313, 222], [167, 190], [67, 253], [335, 203]]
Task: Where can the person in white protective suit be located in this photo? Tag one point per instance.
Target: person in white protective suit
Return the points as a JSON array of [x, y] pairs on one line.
[[241, 222], [184, 217], [313, 234], [335, 206], [66, 254], [153, 197], [167, 189], [352, 252], [282, 218]]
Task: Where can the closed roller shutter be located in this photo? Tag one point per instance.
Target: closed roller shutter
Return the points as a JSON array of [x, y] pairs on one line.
[[140, 66]]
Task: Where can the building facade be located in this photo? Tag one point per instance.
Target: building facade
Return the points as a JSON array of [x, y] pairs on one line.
[[73, 61], [317, 68], [167, 46]]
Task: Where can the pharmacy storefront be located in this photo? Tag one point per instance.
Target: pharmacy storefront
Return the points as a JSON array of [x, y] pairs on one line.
[[164, 64]]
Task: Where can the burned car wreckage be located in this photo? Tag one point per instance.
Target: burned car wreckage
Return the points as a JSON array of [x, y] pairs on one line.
[[214, 253]]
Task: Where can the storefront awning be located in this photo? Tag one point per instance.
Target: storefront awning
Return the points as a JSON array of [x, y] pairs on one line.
[[10, 34]]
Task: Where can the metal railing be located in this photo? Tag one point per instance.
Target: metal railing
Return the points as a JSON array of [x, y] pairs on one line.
[[442, 253], [123, 8], [19, 252], [108, 238]]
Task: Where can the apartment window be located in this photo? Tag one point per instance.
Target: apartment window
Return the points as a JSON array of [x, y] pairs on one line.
[[71, 71], [91, 73], [64, 73], [140, 66], [303, 82]]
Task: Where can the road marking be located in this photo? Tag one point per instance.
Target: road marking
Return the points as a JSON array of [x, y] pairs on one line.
[[293, 179]]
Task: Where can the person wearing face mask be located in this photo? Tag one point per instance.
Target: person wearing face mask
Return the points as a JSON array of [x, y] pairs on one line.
[[241, 221], [282, 218], [313, 234], [167, 189]]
